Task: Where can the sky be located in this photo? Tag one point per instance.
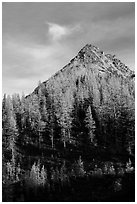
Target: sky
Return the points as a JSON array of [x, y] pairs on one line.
[[38, 39]]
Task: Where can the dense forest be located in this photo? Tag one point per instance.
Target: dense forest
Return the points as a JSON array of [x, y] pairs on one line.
[[75, 134]]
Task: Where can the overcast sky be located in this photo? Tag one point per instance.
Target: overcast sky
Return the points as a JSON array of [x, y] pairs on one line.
[[40, 38]]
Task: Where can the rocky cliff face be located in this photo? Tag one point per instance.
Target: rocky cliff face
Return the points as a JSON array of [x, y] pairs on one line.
[[93, 100]]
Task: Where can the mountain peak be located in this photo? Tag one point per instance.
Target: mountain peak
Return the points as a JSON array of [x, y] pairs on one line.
[[93, 58], [88, 48], [92, 54], [89, 53]]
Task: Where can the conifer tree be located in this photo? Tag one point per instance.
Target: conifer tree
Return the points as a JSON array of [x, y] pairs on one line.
[[79, 128], [10, 131], [90, 124], [65, 122]]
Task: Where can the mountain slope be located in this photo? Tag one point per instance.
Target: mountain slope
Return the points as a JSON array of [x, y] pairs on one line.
[[92, 99]]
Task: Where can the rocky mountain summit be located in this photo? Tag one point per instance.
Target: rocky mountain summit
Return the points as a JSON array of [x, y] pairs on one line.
[[91, 55]]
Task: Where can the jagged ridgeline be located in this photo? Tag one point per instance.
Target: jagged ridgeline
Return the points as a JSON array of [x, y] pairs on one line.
[[88, 104]]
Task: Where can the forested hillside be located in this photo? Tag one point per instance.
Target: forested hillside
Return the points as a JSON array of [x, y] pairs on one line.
[[77, 124]]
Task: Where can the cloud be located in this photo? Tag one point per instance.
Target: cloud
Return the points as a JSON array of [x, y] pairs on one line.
[[30, 63], [56, 31]]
